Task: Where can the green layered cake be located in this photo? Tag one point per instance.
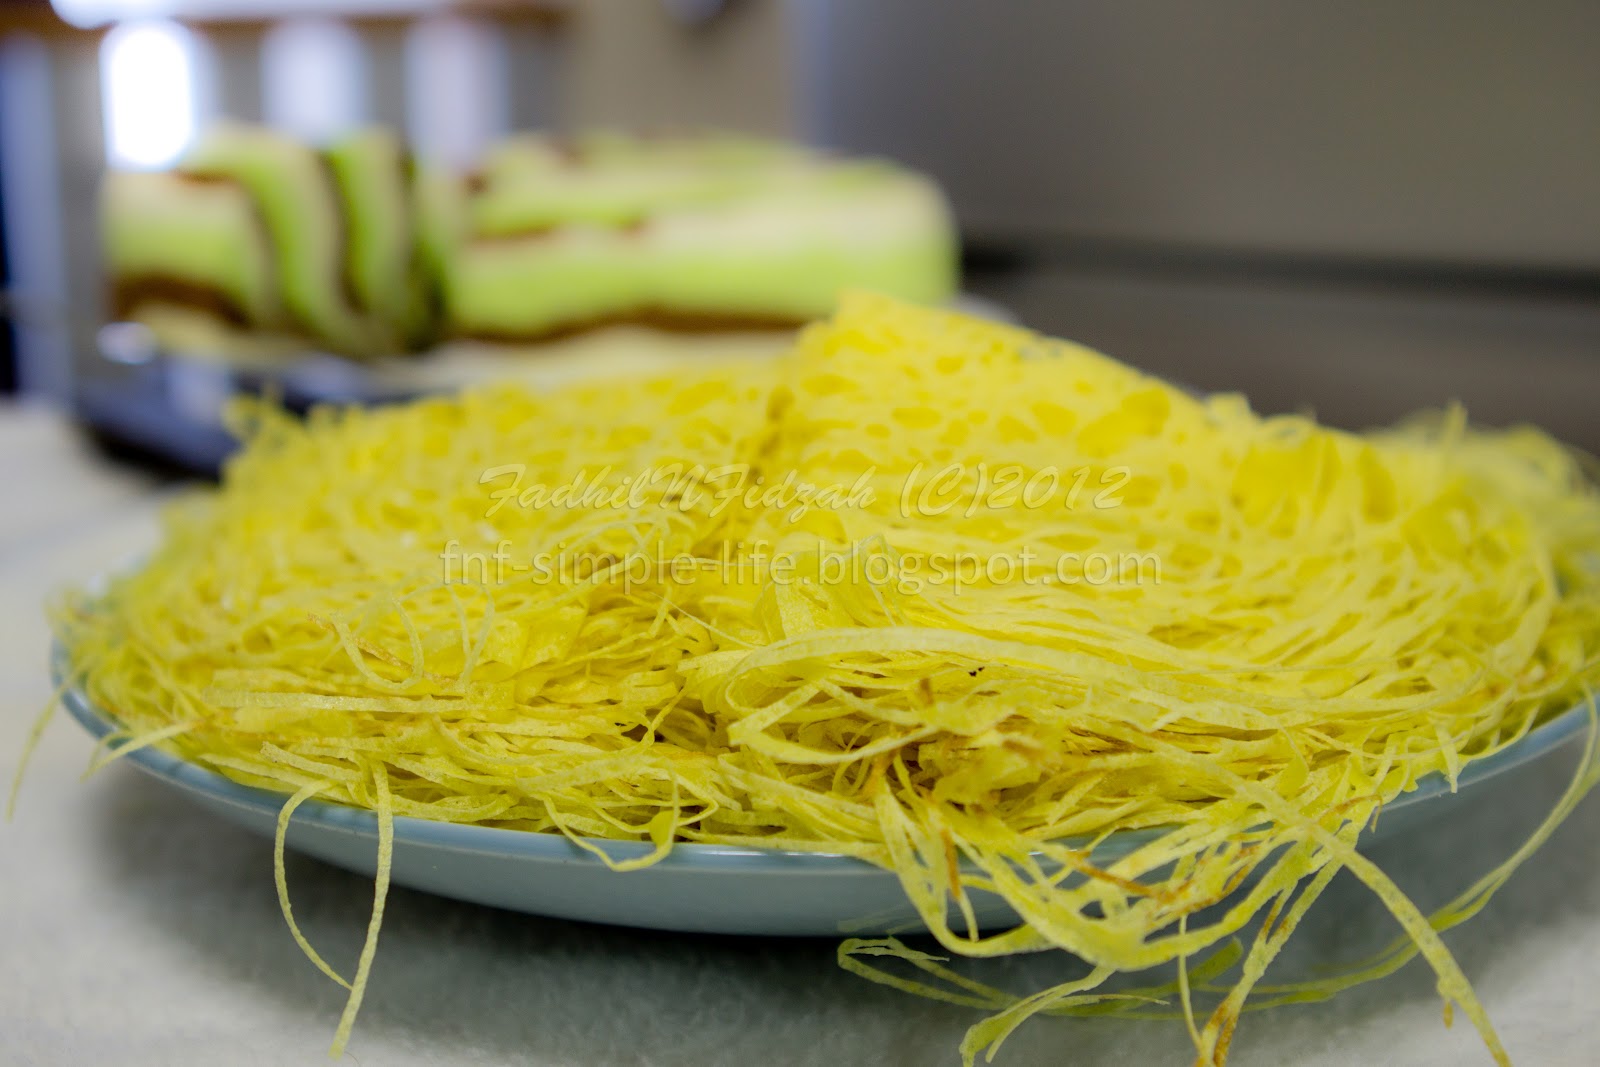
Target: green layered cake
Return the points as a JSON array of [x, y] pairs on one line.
[[698, 233], [352, 249]]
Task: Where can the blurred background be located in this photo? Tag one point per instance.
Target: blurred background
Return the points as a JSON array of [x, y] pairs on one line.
[[1357, 208]]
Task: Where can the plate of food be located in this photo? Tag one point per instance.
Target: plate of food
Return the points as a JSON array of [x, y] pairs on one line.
[[930, 624]]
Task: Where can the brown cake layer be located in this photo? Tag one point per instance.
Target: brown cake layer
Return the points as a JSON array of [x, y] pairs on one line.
[[128, 294], [634, 227], [666, 320]]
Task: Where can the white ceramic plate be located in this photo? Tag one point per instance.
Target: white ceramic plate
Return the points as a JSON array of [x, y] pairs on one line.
[[698, 888]]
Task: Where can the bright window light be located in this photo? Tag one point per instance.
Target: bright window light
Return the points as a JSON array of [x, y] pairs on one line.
[[147, 80], [89, 13], [313, 78], [456, 100]]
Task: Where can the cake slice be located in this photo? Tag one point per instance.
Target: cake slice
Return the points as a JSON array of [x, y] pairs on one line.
[[293, 190], [171, 241], [260, 234], [374, 177]]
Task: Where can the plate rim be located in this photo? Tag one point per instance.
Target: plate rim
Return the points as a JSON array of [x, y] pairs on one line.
[[557, 848]]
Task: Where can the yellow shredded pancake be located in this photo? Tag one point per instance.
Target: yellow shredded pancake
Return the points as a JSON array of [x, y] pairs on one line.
[[940, 594]]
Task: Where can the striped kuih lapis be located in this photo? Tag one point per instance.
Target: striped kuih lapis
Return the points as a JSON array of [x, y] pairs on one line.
[[257, 242]]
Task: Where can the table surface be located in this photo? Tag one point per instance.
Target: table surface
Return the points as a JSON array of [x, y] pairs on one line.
[[135, 929]]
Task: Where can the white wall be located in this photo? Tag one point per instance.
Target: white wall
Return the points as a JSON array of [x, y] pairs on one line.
[[1464, 130]]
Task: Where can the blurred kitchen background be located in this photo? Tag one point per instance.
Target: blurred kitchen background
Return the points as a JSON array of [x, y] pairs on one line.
[[1355, 207]]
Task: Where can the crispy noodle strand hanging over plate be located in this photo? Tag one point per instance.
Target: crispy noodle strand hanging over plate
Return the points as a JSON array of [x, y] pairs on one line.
[[946, 596]]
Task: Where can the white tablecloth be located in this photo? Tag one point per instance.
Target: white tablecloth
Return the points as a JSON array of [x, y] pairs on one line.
[[137, 930]]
